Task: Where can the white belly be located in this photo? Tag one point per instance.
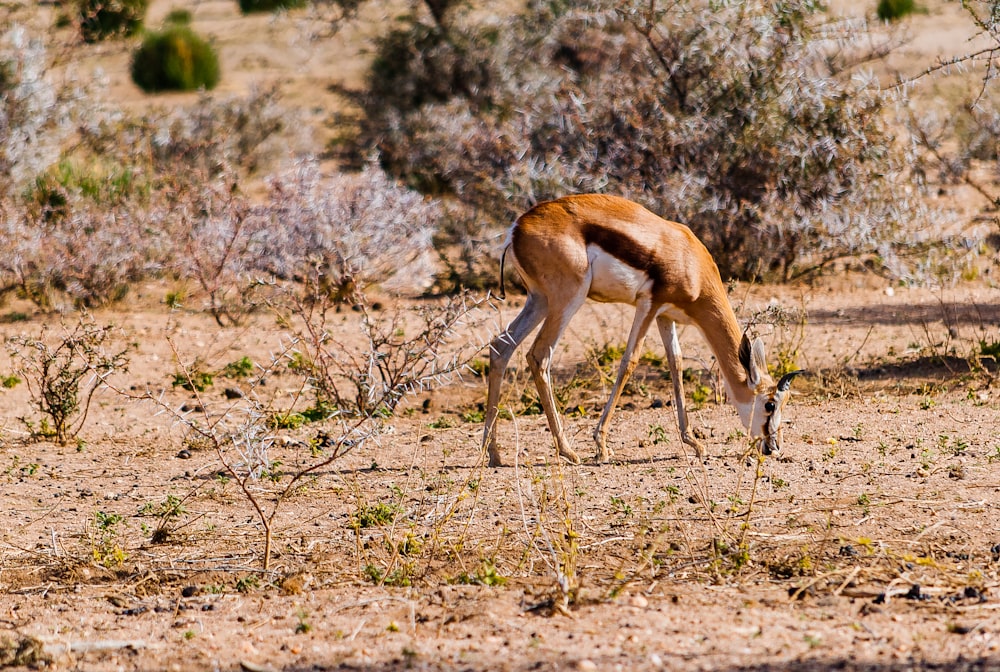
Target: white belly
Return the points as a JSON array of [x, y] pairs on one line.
[[614, 281]]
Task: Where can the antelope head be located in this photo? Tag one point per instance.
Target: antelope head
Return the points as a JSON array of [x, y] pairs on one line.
[[769, 398]]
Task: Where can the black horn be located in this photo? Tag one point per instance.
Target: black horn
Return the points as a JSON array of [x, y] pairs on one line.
[[786, 380]]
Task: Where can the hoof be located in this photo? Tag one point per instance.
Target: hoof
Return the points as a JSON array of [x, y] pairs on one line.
[[699, 450], [494, 458], [570, 456]]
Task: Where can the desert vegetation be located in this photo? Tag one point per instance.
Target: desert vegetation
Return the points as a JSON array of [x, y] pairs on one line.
[[296, 314]]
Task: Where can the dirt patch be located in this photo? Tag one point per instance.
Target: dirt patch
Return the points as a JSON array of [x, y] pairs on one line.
[[870, 544]]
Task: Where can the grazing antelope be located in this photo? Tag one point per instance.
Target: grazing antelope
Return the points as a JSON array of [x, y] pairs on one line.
[[613, 250]]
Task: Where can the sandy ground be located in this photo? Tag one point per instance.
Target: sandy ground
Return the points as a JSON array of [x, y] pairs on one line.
[[870, 543]]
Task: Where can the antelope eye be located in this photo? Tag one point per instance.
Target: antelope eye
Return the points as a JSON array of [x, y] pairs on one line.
[[769, 406]]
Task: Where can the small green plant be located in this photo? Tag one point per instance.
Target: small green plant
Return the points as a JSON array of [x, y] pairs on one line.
[[165, 513], [20, 470], [250, 6], [105, 540], [399, 577], [621, 507], [241, 368], [13, 317], [729, 559], [9, 382], [248, 583], [891, 10], [989, 348], [657, 434], [700, 395], [480, 367], [485, 575], [303, 627], [194, 378], [606, 355], [475, 415], [175, 298], [175, 59], [181, 16], [321, 410], [289, 420], [101, 181], [444, 422], [102, 19], [374, 515]]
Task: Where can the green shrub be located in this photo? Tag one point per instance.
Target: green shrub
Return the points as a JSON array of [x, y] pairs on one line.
[[179, 16], [249, 6], [890, 10], [101, 19], [175, 59]]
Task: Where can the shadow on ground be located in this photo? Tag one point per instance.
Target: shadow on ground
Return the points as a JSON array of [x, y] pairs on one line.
[[611, 663], [950, 313]]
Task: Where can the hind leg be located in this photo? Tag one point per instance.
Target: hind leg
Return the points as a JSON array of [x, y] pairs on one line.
[[540, 361], [501, 350]]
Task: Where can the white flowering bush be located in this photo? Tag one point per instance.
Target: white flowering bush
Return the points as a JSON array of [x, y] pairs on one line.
[[353, 230], [36, 117]]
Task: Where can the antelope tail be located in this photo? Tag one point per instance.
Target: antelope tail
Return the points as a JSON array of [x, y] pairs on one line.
[[503, 290]]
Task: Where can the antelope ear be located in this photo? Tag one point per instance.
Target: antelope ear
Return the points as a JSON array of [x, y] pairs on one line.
[[759, 356], [744, 353], [752, 359]]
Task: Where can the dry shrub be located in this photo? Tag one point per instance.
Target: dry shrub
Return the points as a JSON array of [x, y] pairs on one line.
[[347, 231], [751, 122], [87, 258]]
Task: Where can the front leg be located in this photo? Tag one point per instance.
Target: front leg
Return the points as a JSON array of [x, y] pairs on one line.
[[668, 333], [640, 325]]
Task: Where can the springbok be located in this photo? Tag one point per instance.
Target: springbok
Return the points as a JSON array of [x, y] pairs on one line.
[[613, 250]]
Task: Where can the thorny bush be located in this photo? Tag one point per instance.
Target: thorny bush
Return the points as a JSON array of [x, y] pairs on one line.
[[63, 373], [354, 386]]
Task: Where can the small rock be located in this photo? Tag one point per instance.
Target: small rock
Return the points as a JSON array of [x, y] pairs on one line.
[[586, 665], [255, 667], [184, 454], [232, 393], [189, 591], [638, 601]]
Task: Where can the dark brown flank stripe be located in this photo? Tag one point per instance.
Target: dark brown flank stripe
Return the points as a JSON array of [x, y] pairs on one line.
[[625, 248]]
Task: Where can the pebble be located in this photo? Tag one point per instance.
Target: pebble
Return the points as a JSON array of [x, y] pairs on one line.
[[638, 601]]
